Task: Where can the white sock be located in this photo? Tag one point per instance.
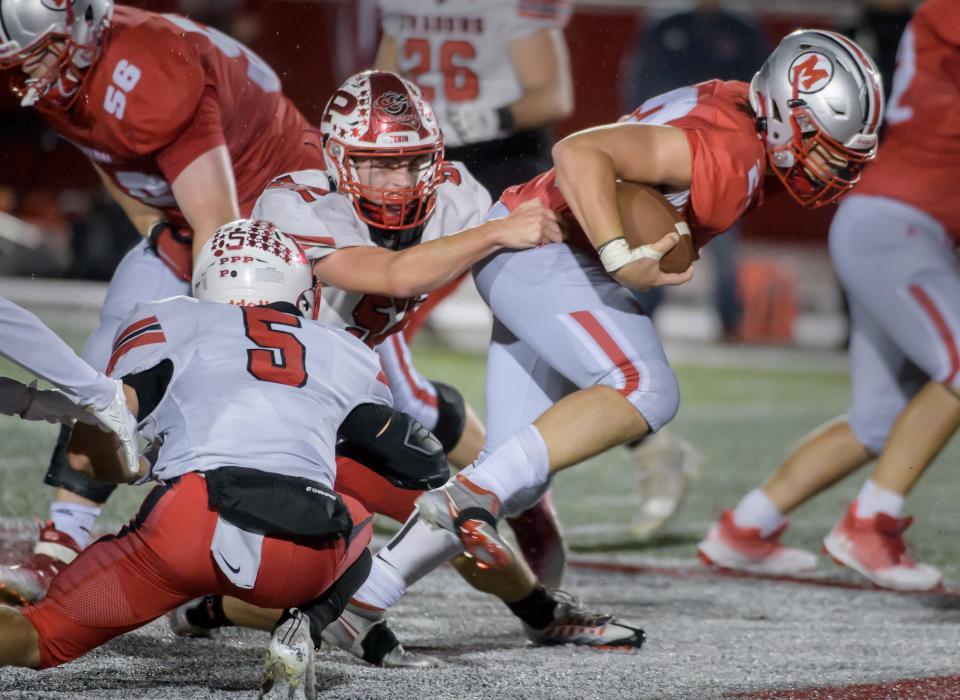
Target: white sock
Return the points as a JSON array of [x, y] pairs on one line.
[[756, 510], [873, 499], [75, 519], [416, 550], [520, 463]]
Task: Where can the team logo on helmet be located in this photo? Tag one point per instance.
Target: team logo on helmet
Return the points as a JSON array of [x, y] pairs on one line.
[[811, 72], [55, 5], [395, 106]]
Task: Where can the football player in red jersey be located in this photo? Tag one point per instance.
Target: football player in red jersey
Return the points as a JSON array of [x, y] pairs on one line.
[[186, 127], [893, 244], [568, 335]]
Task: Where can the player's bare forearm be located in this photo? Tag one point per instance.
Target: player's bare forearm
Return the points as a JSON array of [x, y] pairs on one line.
[[408, 273], [207, 194], [141, 215], [542, 64], [422, 268], [589, 162]]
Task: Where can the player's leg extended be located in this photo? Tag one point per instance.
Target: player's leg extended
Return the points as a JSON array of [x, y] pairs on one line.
[[590, 330], [917, 307], [141, 276]]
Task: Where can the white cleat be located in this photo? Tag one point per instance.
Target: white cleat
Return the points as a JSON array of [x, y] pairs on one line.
[[290, 670], [874, 547], [574, 625], [728, 546], [666, 465], [181, 626], [117, 419], [373, 641]]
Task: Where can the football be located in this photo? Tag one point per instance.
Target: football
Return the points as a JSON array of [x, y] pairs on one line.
[[647, 217]]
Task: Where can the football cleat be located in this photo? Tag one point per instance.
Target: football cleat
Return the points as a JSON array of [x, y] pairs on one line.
[[469, 512], [540, 540], [29, 581], [574, 625], [666, 465], [290, 670], [728, 546], [181, 626], [874, 547], [373, 641]]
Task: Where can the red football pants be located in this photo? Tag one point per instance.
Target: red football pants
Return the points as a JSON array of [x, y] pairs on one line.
[[376, 493], [162, 559]]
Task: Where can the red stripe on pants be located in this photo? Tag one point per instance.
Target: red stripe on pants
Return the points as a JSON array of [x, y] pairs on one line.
[[940, 323], [631, 374]]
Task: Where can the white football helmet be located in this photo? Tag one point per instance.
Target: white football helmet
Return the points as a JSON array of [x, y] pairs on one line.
[[249, 262], [819, 105], [72, 29], [376, 114]]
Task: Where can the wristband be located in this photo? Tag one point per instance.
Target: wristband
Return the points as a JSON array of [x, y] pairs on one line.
[[616, 253]]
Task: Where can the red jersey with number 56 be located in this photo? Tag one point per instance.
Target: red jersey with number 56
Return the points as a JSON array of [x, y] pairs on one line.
[[164, 91], [728, 159], [918, 161], [324, 222], [459, 50]]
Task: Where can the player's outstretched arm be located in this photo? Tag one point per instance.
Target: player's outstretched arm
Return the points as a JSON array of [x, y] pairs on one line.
[[427, 266], [542, 64], [387, 55]]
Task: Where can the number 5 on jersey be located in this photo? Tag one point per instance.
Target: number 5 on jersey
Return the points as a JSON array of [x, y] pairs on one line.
[[280, 357], [125, 78]]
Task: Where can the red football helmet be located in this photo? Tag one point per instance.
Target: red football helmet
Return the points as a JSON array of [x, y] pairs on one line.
[[376, 114]]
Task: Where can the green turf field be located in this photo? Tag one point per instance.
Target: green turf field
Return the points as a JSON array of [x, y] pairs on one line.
[[743, 419]]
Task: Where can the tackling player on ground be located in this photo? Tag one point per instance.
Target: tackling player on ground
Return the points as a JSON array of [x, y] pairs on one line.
[[568, 337], [186, 127], [383, 239], [893, 244]]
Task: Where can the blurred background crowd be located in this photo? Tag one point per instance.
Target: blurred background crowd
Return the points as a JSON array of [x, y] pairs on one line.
[[56, 220]]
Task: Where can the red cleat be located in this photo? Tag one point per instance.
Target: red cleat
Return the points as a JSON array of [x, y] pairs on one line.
[[28, 581], [540, 539], [728, 546], [874, 547]]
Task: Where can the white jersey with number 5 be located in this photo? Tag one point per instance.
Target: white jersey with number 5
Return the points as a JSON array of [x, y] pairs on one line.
[[257, 387], [459, 50]]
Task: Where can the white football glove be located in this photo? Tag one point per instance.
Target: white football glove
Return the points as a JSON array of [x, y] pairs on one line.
[[472, 124], [116, 418]]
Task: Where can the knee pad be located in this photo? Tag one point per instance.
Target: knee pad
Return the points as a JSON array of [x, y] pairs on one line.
[[451, 416], [61, 475]]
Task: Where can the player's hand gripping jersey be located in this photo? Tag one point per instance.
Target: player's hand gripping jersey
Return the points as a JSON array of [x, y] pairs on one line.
[[457, 51], [727, 154], [164, 91], [256, 387], [323, 222], [919, 160]]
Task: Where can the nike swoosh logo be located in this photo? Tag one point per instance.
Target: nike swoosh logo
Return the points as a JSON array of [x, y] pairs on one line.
[[235, 570]]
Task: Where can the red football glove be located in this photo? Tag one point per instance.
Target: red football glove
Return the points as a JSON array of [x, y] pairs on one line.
[[173, 245]]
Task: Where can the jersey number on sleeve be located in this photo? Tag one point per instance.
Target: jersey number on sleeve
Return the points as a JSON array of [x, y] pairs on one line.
[[460, 83], [125, 78], [280, 357]]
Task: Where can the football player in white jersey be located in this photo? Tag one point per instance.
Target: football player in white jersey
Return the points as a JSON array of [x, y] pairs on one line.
[[382, 240], [244, 488], [496, 72]]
